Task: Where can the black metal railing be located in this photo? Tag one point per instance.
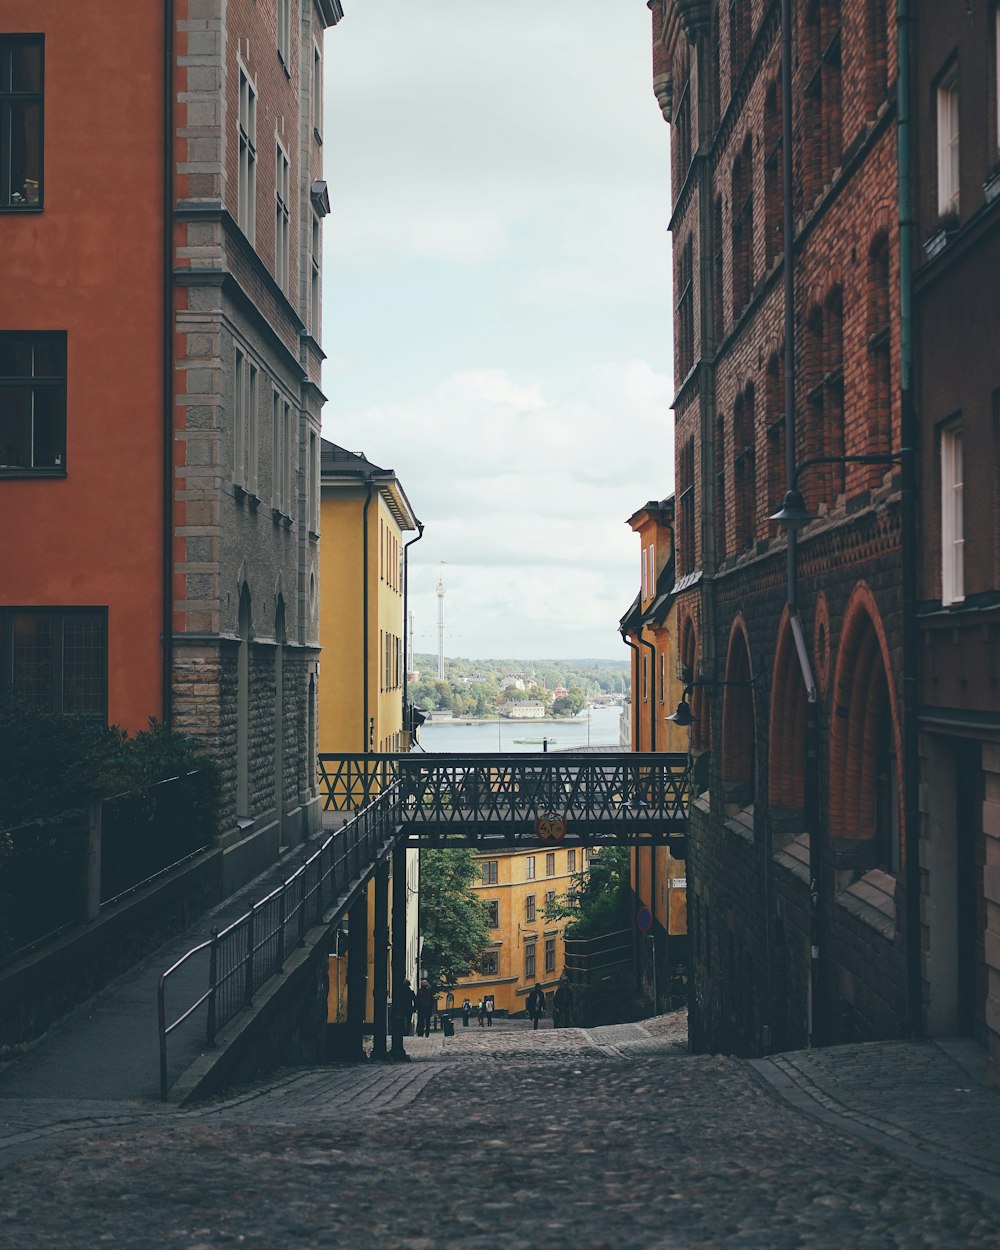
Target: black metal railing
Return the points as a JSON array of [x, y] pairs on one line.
[[226, 971], [586, 797], [589, 957]]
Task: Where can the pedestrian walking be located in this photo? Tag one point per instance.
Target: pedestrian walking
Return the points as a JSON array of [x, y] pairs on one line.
[[488, 1009], [481, 1011], [407, 1006], [425, 1008], [466, 1013], [562, 1004], [536, 1004]]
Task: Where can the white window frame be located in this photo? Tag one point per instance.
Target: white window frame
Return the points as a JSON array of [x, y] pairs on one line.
[[314, 279], [251, 425], [529, 868], [952, 516], [948, 168], [282, 214], [247, 125], [317, 91], [277, 455], [288, 442]]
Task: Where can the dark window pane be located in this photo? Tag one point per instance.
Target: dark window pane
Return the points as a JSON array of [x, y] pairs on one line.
[[25, 154], [15, 357], [49, 440], [83, 668], [26, 67], [34, 677], [50, 357], [15, 428]]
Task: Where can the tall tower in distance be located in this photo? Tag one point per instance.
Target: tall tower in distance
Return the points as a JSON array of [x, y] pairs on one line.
[[440, 595]]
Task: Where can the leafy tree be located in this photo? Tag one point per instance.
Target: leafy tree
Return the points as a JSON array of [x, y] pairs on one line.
[[599, 900], [453, 921], [570, 704]]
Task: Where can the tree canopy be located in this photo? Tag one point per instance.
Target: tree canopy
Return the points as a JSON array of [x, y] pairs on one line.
[[453, 920]]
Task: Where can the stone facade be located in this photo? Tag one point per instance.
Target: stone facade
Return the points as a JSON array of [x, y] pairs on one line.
[[249, 202], [957, 384], [798, 845]]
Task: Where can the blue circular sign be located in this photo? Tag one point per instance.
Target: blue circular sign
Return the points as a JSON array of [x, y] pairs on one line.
[[644, 920]]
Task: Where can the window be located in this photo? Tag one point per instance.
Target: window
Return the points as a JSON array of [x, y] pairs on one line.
[[313, 502], [317, 92], [56, 658], [488, 964], [685, 311], [550, 863], [550, 954], [282, 34], [21, 64], [645, 677], [663, 676], [314, 283], [550, 899], [247, 191], [288, 444], [947, 145], [490, 871], [244, 424], [280, 217], [277, 456], [952, 523], [686, 520], [571, 860], [529, 909], [33, 403], [529, 960], [529, 868], [493, 913]]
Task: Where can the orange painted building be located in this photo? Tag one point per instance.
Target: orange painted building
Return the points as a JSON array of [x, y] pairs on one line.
[[161, 209]]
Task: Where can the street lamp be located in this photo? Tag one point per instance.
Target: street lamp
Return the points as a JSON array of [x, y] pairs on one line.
[[684, 717], [793, 514]]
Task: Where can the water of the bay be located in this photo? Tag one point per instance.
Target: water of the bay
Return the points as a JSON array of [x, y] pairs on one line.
[[597, 727]]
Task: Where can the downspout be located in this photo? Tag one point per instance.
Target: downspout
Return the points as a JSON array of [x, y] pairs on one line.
[[369, 481], [167, 521], [406, 632], [636, 745], [909, 523], [801, 650], [651, 689]]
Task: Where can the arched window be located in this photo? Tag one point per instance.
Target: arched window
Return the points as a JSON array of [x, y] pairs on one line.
[[787, 736], [280, 639], [833, 386], [774, 415], [879, 370], [742, 220], [721, 537], [739, 757], [877, 59], [745, 470], [864, 752], [701, 730]]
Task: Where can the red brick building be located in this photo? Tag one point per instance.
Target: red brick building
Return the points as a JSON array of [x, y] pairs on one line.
[[956, 257], [799, 909], [161, 200]]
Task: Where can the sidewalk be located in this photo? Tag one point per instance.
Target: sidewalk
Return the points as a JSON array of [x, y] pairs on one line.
[[924, 1102], [107, 1048]]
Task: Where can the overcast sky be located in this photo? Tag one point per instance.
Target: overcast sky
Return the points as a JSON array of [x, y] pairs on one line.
[[497, 303]]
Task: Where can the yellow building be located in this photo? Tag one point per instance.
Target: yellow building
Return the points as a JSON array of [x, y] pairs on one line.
[[527, 949], [659, 881], [364, 515]]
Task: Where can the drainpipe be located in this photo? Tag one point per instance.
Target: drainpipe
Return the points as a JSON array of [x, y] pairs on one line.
[[801, 649], [370, 483], [651, 688], [636, 745], [909, 523], [167, 521], [406, 632]]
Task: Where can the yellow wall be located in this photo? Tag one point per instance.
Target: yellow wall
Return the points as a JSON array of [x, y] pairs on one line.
[[510, 986]]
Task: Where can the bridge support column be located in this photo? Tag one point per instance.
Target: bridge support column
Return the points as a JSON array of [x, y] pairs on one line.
[[357, 977], [398, 950], [380, 971]]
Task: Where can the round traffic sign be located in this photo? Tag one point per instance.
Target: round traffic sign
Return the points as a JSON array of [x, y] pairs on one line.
[[644, 920]]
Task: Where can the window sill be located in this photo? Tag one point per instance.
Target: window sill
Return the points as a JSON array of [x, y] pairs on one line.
[[740, 822], [314, 536], [794, 857], [20, 208], [12, 471], [254, 501]]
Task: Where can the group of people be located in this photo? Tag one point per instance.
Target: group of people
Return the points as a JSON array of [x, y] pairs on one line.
[[424, 1001]]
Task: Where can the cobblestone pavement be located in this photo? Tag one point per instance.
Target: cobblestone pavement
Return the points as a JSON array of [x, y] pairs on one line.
[[502, 1138]]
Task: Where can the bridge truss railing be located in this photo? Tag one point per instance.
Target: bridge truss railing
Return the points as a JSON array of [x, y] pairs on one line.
[[454, 799]]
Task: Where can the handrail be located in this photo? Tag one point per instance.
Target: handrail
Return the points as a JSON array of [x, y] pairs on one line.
[[252, 948]]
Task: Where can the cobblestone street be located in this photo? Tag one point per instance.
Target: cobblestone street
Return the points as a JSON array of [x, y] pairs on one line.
[[503, 1137]]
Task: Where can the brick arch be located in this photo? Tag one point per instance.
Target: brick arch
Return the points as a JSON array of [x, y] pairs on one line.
[[787, 732], [863, 700], [739, 763]]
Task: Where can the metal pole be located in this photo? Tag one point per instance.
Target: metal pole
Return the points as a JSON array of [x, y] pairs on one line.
[[380, 978], [398, 949]]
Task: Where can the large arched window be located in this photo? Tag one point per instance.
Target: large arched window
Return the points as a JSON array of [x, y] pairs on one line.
[[864, 740], [739, 748], [879, 344], [787, 736]]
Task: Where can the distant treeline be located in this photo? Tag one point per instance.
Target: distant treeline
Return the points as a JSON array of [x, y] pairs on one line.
[[478, 687]]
